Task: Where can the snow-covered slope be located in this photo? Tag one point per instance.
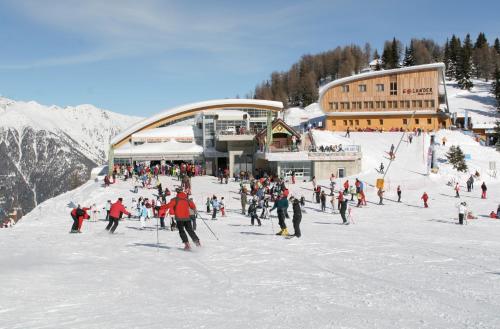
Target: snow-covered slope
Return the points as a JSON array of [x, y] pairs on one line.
[[398, 266], [478, 101]]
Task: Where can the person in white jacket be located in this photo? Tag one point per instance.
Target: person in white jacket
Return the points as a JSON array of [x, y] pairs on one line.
[[462, 212], [143, 213]]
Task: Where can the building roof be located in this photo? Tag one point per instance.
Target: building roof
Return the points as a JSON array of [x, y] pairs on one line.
[[223, 103], [275, 123], [167, 132], [171, 147], [374, 74]]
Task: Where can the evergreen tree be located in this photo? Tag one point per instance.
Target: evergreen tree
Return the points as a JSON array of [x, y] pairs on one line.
[[387, 59], [481, 58], [496, 86], [464, 69], [409, 59], [376, 58], [447, 59], [496, 134], [496, 46], [456, 158], [396, 53], [454, 49]]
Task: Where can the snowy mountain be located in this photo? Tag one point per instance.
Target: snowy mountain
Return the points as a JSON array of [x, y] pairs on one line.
[[45, 151]]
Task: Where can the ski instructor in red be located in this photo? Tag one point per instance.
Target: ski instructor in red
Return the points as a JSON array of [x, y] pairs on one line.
[[179, 207]]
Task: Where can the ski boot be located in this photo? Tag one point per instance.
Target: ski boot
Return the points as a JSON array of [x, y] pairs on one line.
[[280, 232], [187, 246], [197, 243], [284, 232]]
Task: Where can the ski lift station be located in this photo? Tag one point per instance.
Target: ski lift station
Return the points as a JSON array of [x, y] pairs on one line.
[[242, 135]]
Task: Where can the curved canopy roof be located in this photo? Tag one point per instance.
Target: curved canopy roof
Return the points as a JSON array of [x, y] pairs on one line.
[[182, 111]]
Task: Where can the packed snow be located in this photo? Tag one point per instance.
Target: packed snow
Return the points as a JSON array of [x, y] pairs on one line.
[[397, 265]]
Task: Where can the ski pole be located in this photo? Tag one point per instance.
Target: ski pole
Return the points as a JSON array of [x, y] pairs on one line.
[[157, 237], [203, 220]]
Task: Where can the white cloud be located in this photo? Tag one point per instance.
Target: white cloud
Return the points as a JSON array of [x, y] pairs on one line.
[[128, 28]]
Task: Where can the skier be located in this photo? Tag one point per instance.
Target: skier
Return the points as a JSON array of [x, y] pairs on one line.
[[343, 209], [107, 207], [444, 141], [391, 152], [314, 183], [297, 217], [115, 214], [179, 207], [457, 190], [281, 205], [380, 194], [346, 186], [215, 206], [323, 201], [208, 205], [161, 213], [293, 176], [244, 200], [381, 169], [192, 216], [332, 202], [425, 197], [252, 212], [410, 138], [340, 198], [469, 183], [76, 213], [317, 193], [462, 212], [222, 207], [265, 209], [348, 133], [143, 214], [483, 189], [398, 190]]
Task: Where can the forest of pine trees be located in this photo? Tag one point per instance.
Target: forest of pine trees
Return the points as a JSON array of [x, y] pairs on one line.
[[464, 61]]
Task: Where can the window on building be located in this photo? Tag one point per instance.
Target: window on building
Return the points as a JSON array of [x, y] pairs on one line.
[[394, 88], [382, 104], [432, 103], [419, 103], [345, 88], [336, 105], [405, 121], [429, 121], [350, 123], [362, 88], [370, 104], [369, 122], [380, 87], [356, 122], [414, 103], [330, 105], [359, 105], [377, 104], [394, 104], [354, 105], [341, 172], [407, 104], [402, 104], [427, 103], [381, 121], [417, 121], [365, 105], [334, 122], [345, 122], [389, 103]]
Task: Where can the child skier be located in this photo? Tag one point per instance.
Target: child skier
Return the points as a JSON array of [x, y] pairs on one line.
[[425, 197], [252, 212], [323, 201], [297, 217], [222, 207]]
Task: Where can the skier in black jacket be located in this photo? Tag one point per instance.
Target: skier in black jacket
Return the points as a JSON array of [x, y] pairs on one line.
[[343, 209], [297, 217], [252, 211]]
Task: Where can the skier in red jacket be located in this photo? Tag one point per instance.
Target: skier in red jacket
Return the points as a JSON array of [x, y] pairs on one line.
[[179, 208], [115, 214], [425, 197], [77, 214]]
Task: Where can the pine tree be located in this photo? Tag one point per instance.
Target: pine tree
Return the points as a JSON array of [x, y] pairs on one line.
[[396, 53], [496, 134], [454, 55], [495, 90], [497, 46], [456, 158], [481, 58], [387, 59], [464, 69], [447, 60], [409, 59], [376, 57]]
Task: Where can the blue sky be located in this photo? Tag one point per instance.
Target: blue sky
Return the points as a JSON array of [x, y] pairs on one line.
[[140, 57]]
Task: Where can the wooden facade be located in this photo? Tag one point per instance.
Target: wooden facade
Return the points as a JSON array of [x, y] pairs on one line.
[[405, 98]]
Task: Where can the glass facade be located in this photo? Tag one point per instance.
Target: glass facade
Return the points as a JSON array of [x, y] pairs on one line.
[[301, 168]]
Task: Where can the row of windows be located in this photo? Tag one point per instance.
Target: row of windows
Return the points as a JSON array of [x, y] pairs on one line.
[[381, 104], [379, 87], [355, 122]]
